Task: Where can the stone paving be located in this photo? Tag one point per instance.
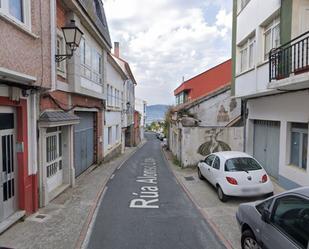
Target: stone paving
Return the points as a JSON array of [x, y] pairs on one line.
[[65, 216], [222, 215]]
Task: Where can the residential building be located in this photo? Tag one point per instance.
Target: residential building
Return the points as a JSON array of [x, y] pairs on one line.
[[140, 107], [128, 98], [115, 109], [196, 87], [137, 128], [25, 70], [71, 112], [208, 121], [270, 75]]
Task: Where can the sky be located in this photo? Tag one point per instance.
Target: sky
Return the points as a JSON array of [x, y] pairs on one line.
[[165, 41]]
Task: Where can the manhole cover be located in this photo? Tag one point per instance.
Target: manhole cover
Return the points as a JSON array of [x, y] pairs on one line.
[[189, 178], [40, 216]]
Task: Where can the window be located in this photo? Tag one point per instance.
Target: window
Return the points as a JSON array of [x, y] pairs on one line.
[[91, 62], [97, 67], [291, 216], [216, 163], [109, 135], [243, 59], [181, 98], [14, 8], [241, 164], [265, 205], [209, 160], [271, 37], [60, 47], [108, 95], [246, 52], [299, 145], [53, 151]]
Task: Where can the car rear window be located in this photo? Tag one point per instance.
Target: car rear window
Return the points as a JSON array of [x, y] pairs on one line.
[[241, 164]]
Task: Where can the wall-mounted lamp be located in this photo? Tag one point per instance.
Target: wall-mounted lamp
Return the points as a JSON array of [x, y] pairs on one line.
[[128, 107], [72, 36]]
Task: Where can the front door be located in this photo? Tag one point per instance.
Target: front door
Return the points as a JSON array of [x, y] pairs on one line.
[[8, 169], [53, 160]]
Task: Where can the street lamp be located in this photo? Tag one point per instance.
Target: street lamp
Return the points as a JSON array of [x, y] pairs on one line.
[[72, 36]]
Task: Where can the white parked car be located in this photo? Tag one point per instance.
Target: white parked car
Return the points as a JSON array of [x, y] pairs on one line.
[[235, 173]]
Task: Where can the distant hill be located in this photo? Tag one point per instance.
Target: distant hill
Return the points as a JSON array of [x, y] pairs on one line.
[[155, 113]]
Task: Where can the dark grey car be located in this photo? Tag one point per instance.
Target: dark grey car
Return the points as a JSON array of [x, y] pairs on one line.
[[281, 221]]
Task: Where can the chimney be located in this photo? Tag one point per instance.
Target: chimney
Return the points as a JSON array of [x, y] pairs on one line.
[[116, 49]]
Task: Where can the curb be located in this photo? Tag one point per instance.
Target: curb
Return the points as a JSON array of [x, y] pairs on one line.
[[83, 232], [214, 227]]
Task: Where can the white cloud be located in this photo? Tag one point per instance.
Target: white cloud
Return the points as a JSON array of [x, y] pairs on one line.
[[164, 40]]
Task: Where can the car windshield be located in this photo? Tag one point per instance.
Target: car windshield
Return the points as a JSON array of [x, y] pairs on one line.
[[241, 164]]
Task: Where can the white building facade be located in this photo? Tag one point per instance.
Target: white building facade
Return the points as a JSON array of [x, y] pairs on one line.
[[114, 114], [128, 98], [270, 75]]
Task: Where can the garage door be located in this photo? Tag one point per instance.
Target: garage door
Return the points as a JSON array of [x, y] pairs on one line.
[[84, 142], [266, 145]]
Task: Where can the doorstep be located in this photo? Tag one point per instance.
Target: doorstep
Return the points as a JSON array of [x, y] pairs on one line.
[[8, 222], [57, 191]]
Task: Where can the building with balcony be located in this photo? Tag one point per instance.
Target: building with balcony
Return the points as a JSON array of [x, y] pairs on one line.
[[115, 109], [270, 75], [24, 71], [71, 111], [128, 98]]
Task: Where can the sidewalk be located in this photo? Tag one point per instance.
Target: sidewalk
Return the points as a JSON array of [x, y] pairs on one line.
[[221, 216], [63, 222]]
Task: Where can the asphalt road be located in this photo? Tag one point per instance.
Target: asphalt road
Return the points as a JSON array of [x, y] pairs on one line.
[[145, 208]]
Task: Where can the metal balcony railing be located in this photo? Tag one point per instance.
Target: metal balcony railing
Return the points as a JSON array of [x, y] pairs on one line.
[[290, 58]]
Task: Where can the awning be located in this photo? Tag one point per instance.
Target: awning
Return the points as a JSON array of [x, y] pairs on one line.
[[57, 118]]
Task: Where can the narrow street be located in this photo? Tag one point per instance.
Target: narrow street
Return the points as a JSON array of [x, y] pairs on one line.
[[144, 207]]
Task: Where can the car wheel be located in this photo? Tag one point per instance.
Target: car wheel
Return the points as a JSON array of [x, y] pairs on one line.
[[222, 197], [200, 174], [248, 240]]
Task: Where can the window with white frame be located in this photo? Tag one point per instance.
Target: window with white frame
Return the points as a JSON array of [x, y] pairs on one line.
[[53, 151], [271, 37], [91, 62], [108, 95], [122, 101], [246, 55], [16, 9], [299, 145], [60, 47], [112, 96]]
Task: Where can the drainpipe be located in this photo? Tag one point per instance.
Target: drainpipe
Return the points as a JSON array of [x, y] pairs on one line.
[[53, 43], [244, 114]]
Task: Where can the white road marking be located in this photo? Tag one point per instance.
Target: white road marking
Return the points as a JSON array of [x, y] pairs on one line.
[[112, 176], [148, 196]]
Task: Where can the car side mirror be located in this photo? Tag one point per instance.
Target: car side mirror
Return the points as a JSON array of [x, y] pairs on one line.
[[266, 216], [201, 161]]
